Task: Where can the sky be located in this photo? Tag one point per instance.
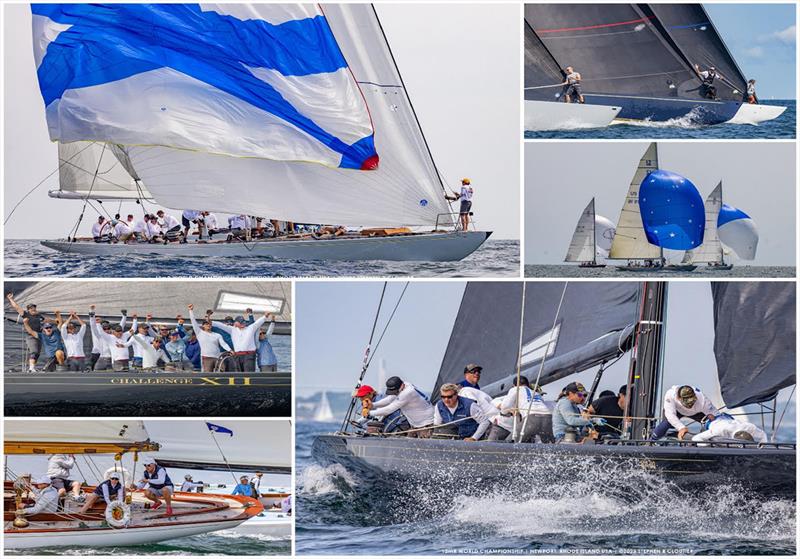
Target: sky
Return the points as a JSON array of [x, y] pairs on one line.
[[335, 319], [762, 39], [461, 66], [561, 178], [158, 430]]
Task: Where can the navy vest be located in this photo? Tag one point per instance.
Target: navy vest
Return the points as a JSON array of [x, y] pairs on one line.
[[167, 481], [467, 427], [112, 491]]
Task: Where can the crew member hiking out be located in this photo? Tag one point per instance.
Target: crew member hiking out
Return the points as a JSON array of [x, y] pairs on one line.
[[708, 89]]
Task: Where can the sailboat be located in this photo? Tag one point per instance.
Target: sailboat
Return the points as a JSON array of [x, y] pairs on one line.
[[644, 59], [192, 513], [711, 252], [592, 238], [543, 79], [571, 327], [631, 241], [324, 412], [317, 129], [156, 392]]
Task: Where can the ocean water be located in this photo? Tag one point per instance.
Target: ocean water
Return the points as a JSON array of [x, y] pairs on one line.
[[337, 513], [684, 128], [224, 542], [28, 259], [610, 271]]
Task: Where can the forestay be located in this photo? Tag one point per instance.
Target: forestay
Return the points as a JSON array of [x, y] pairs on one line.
[[754, 339], [630, 240], [594, 325]]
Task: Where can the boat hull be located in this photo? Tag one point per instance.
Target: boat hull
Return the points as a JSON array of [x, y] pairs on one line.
[[769, 471], [259, 526], [112, 537], [429, 247], [549, 115], [669, 268], [137, 393]]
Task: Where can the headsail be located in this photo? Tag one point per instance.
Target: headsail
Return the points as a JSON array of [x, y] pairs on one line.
[[594, 325], [711, 249], [542, 73], [92, 170], [630, 240], [75, 437], [689, 26], [582, 245], [754, 343], [253, 445], [336, 75]]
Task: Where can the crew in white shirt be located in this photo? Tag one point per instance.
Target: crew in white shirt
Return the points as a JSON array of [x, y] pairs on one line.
[[101, 230], [244, 341], [73, 333], [683, 401], [414, 404], [210, 343], [725, 426]]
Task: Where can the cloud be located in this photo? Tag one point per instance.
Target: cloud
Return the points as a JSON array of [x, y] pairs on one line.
[[754, 52], [787, 36]]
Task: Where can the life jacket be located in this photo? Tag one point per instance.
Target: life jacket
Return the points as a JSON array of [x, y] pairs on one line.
[[167, 481], [112, 491], [467, 427]]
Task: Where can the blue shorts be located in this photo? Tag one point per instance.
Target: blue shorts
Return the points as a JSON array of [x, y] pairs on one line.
[[466, 206]]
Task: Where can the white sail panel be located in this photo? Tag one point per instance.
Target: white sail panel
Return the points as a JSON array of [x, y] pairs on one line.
[[92, 170], [711, 249], [257, 444], [405, 189], [630, 240], [582, 245], [94, 431], [604, 232]]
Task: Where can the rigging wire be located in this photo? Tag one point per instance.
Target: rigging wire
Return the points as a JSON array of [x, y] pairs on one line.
[[775, 431], [74, 230], [388, 322], [224, 458], [366, 358], [61, 164]]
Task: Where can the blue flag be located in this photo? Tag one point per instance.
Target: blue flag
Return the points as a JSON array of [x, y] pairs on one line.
[[218, 428]]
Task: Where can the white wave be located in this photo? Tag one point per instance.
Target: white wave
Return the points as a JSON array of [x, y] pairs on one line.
[[319, 480], [692, 119]]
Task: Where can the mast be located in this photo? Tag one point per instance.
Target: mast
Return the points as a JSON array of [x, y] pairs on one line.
[[594, 235], [644, 375]]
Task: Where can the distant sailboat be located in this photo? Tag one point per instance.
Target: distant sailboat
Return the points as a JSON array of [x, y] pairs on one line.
[[711, 252], [592, 238], [324, 411], [631, 241]]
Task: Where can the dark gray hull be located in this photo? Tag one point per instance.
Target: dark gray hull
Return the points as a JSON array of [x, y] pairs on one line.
[[766, 471], [147, 394]]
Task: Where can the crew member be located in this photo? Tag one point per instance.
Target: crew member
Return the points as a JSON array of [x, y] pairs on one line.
[[572, 85], [210, 343], [709, 90], [534, 415], [244, 488], [611, 408], [412, 402], [472, 375], [752, 98], [725, 426], [461, 415], [189, 484], [34, 320], [683, 401], [267, 360], [73, 334], [46, 500], [109, 491], [170, 226], [116, 343], [101, 231], [567, 416], [372, 400], [52, 344], [59, 467], [152, 354], [465, 195], [244, 343], [156, 483], [187, 218]]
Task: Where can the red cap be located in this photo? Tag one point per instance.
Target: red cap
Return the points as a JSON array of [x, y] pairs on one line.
[[364, 391]]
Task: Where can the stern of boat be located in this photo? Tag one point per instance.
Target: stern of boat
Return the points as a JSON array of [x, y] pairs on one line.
[[756, 114]]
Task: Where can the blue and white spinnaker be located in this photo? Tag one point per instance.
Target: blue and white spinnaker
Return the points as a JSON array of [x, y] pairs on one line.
[[738, 231]]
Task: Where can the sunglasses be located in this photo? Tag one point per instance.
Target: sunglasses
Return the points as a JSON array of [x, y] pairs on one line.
[[445, 397]]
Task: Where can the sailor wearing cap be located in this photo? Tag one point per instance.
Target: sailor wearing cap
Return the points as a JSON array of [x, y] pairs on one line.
[[725, 426], [156, 483], [567, 416], [460, 414], [189, 484], [46, 497], [371, 399], [412, 402], [683, 401], [465, 195], [244, 488], [52, 344], [73, 331], [112, 489], [243, 338], [472, 375]]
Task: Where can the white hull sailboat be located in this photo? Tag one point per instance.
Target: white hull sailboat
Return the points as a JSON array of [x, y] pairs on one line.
[[439, 246], [592, 238], [547, 115], [339, 145], [192, 514]]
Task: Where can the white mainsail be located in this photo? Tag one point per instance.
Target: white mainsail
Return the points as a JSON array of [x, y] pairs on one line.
[[711, 249], [76, 432], [582, 245], [405, 189], [254, 445], [324, 411], [630, 240], [91, 170]]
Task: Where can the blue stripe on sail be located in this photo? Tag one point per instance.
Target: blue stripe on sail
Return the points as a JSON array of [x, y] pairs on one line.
[[107, 43], [729, 213]]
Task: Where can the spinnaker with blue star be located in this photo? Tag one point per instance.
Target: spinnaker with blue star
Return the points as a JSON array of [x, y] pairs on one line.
[[738, 231], [296, 112], [672, 211]]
